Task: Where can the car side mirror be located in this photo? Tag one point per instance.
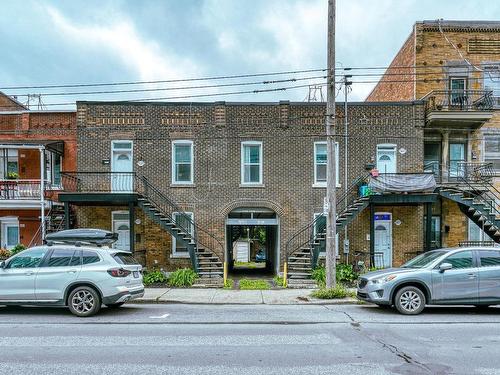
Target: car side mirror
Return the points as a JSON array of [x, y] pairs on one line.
[[445, 267], [2, 264]]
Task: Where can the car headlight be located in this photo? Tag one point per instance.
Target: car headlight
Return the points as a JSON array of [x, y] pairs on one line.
[[384, 279]]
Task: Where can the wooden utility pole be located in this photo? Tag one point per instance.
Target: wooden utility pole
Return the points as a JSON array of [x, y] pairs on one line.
[[331, 173]]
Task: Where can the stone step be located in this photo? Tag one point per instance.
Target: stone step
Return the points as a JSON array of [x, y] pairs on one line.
[[299, 275]]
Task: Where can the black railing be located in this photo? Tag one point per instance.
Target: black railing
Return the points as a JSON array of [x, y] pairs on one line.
[[477, 243], [453, 172], [316, 229], [459, 100], [129, 182]]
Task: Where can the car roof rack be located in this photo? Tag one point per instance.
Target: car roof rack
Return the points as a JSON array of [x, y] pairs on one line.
[[78, 237]]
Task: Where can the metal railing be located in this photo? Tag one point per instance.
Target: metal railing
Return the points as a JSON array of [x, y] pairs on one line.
[[130, 182], [474, 172], [459, 100], [21, 189], [316, 229], [477, 243]]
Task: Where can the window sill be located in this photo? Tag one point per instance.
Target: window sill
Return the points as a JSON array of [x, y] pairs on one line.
[[182, 185], [172, 256], [316, 185], [252, 185]]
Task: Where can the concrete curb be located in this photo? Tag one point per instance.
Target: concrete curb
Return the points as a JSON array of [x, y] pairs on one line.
[[302, 303]]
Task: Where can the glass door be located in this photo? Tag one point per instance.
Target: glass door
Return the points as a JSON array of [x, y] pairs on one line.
[[458, 97], [457, 157]]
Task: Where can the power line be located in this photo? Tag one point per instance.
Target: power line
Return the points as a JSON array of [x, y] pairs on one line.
[[221, 77]]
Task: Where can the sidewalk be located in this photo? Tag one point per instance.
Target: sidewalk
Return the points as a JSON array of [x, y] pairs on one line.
[[238, 297]]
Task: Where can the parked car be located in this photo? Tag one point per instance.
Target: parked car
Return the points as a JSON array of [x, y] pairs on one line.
[[455, 276], [79, 277], [260, 256]]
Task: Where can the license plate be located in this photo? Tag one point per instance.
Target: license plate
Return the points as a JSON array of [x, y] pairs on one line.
[[136, 274]]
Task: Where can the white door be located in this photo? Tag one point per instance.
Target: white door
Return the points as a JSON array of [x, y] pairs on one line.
[[383, 240], [386, 158], [241, 251], [122, 167], [123, 230]]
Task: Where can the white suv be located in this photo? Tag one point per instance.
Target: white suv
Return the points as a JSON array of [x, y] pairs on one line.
[[78, 276]]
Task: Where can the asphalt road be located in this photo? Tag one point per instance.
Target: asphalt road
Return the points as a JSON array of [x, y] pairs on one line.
[[261, 339]]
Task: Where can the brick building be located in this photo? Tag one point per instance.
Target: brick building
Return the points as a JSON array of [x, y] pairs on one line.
[[183, 182], [454, 67], [29, 139]]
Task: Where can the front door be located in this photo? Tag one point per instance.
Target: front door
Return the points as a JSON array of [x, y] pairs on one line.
[[122, 167], [383, 240], [457, 157], [386, 158], [121, 226], [459, 284]]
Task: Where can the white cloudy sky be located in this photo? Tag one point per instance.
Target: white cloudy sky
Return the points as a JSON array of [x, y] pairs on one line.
[[62, 42]]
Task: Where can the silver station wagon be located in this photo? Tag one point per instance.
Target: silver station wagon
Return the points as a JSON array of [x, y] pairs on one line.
[[455, 276]]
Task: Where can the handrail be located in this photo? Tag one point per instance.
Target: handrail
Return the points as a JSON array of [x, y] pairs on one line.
[[309, 233], [458, 100], [130, 182]]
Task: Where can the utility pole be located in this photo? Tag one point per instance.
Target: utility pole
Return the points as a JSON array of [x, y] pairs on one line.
[[347, 84], [331, 173]]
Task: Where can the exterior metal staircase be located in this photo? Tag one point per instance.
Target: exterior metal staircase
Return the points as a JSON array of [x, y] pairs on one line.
[[476, 197], [54, 222], [304, 247], [201, 244]]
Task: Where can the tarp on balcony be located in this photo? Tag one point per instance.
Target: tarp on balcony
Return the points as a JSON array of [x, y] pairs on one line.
[[402, 183]]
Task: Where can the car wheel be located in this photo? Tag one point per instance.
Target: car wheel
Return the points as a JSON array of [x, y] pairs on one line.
[[84, 301], [114, 305], [410, 300]]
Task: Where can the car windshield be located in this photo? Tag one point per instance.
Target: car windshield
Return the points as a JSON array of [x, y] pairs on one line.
[[423, 260]]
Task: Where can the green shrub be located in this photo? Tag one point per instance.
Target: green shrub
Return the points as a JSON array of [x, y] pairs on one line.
[[183, 278], [344, 274], [17, 249], [154, 277], [247, 284], [332, 293], [279, 281], [319, 274], [229, 284]]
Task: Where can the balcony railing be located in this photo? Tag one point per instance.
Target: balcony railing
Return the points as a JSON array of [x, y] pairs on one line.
[[459, 100], [474, 172], [19, 189], [99, 182]]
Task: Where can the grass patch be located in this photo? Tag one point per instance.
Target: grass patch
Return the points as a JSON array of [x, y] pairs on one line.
[[338, 292], [278, 281], [229, 284], [249, 265], [183, 278], [247, 284]]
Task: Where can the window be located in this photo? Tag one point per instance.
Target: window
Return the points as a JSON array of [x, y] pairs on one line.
[[492, 150], [476, 233], [9, 163], [182, 162], [184, 222], [62, 258], [458, 87], [89, 257], [9, 232], [489, 258], [320, 160], [27, 259], [457, 157], [53, 168], [251, 163], [491, 75], [126, 259], [462, 259], [435, 231]]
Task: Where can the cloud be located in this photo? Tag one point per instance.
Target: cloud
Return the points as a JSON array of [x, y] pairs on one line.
[[147, 59]]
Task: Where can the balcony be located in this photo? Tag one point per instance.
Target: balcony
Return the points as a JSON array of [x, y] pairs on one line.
[[458, 108], [24, 193], [460, 172]]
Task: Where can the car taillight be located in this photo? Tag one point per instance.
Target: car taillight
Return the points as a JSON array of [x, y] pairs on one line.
[[119, 272]]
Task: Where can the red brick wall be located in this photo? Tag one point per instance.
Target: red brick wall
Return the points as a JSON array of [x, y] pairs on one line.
[[7, 104], [404, 88], [29, 221]]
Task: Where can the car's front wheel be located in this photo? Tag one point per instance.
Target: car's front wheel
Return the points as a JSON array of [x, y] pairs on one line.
[[84, 301], [410, 300]]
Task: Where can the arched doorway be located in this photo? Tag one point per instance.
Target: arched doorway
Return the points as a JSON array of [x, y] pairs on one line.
[[252, 241]]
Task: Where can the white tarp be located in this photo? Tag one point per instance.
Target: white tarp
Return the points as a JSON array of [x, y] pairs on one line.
[[402, 182]]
